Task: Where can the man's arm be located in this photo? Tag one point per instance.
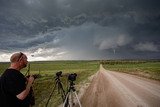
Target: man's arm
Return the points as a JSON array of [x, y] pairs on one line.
[[25, 92]]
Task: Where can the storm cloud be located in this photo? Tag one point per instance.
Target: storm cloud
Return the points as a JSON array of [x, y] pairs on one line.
[[80, 29]]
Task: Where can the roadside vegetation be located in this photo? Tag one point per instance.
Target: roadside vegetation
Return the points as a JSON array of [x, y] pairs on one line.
[[145, 68]]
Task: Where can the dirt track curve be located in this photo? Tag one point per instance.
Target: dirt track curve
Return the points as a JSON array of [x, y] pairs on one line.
[[113, 89]]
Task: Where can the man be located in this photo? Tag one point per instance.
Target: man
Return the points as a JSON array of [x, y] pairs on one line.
[[14, 86]]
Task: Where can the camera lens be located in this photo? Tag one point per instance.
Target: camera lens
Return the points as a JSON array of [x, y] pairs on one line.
[[72, 77]]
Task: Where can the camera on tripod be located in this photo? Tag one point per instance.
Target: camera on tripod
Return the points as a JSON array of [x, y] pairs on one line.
[[59, 74], [66, 96], [72, 77], [68, 102]]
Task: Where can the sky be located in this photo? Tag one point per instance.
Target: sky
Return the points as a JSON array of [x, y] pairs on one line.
[[80, 29]]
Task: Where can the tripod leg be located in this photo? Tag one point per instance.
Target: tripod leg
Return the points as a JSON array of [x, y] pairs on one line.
[[65, 101], [51, 94], [77, 99], [71, 99], [62, 92]]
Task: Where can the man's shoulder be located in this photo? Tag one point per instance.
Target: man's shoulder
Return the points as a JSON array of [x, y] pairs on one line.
[[10, 69], [11, 73]]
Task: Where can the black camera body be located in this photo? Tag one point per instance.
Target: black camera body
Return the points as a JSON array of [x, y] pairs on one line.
[[34, 76], [59, 74], [72, 77]]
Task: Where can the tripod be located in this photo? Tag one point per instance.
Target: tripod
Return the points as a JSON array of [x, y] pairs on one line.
[[58, 84], [71, 91]]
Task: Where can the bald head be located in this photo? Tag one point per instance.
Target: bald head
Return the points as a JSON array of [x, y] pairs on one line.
[[18, 61], [16, 57]]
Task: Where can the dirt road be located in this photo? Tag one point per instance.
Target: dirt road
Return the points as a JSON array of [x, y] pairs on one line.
[[113, 89]]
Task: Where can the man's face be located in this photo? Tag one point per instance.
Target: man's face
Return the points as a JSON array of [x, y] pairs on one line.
[[25, 62]]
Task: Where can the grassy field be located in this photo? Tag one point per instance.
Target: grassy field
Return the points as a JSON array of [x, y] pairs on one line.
[[149, 69], [43, 85]]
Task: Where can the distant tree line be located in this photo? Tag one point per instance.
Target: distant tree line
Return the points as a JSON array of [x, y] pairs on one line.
[[112, 62]]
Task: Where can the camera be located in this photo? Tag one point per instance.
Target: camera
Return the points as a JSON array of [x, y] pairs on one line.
[[59, 74], [72, 77], [34, 76]]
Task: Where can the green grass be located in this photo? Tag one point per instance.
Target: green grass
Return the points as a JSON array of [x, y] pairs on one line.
[[148, 69], [3, 66], [43, 85]]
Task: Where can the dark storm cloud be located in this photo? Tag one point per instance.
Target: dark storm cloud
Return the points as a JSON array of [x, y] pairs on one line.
[[86, 28]]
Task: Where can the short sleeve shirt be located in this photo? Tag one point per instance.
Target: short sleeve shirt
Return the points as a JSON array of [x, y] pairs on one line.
[[13, 82]]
